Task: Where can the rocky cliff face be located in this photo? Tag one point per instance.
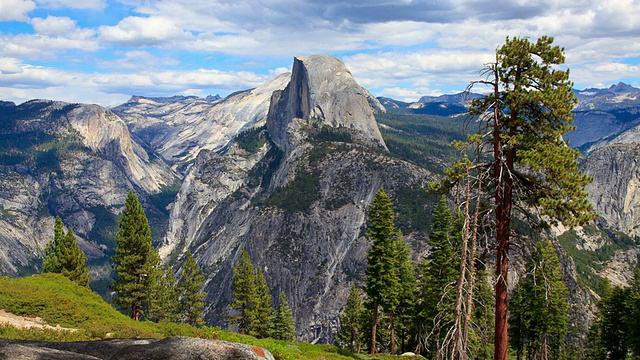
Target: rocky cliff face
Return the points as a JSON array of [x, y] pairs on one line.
[[178, 128], [69, 160], [298, 203], [615, 191]]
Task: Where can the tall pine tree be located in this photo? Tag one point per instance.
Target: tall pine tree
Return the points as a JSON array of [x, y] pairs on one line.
[[63, 255], [283, 326], [351, 326], [539, 312], [133, 258], [243, 293], [530, 166], [383, 280], [191, 293], [437, 276]]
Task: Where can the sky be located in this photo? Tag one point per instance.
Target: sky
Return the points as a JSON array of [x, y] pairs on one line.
[[105, 51]]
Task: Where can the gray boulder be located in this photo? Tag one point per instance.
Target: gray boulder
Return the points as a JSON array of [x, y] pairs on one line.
[[174, 348]]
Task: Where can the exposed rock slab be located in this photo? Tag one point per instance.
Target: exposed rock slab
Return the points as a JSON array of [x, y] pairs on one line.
[[174, 348]]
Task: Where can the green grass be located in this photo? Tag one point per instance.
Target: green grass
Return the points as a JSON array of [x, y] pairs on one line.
[[58, 301]]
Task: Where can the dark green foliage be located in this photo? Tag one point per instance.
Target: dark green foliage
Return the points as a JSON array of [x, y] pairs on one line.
[[63, 255], [332, 134], [164, 296], [614, 335], [385, 265], [165, 197], [539, 308], [190, 289], [283, 325], [242, 293], [132, 258], [252, 140], [263, 307], [437, 277], [250, 298], [299, 194], [351, 321]]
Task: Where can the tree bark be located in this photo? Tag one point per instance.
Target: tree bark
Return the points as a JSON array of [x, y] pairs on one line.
[[374, 326], [392, 333]]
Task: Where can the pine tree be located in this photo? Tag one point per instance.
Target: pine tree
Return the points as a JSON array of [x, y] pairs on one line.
[[383, 280], [243, 293], [283, 326], [73, 260], [51, 262], [539, 311], [263, 307], [131, 259], [437, 275], [63, 255], [164, 296], [191, 294], [633, 318], [530, 166], [351, 325], [407, 297]]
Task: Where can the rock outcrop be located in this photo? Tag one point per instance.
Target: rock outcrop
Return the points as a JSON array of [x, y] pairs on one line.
[[322, 92], [178, 128], [174, 348]]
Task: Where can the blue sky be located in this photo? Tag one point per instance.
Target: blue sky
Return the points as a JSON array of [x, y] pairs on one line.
[[104, 51]]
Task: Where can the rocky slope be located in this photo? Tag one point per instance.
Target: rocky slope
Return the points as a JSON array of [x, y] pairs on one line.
[[298, 202], [178, 128], [69, 160]]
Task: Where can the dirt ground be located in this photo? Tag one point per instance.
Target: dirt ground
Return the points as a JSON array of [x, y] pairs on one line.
[[22, 322]]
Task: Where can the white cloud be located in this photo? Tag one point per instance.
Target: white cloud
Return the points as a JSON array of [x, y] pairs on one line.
[[54, 26], [114, 88], [10, 66], [141, 31], [72, 4], [15, 10]]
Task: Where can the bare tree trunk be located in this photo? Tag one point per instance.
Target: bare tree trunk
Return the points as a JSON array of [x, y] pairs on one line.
[[392, 333], [374, 328], [457, 350], [472, 268]]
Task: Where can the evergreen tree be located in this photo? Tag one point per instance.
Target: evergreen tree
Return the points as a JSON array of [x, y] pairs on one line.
[[263, 307], [351, 324], [73, 260], [251, 298], [404, 317], [530, 166], [283, 326], [383, 280], [164, 296], [437, 275], [131, 259], [596, 349], [633, 318], [51, 262], [243, 293], [63, 255], [481, 339], [539, 312], [191, 294]]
